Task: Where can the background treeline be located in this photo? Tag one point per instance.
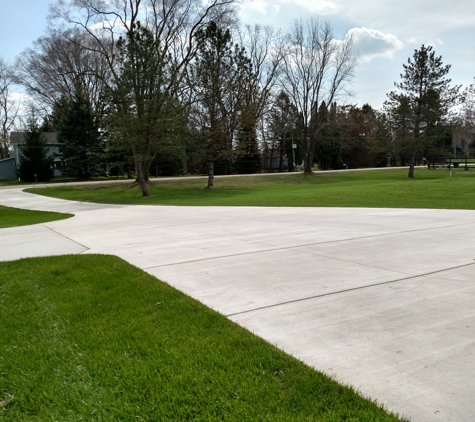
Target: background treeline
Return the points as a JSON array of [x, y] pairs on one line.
[[147, 89]]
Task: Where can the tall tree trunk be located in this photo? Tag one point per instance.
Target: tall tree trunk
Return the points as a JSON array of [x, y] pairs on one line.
[[281, 150], [184, 161], [417, 129], [271, 157], [4, 153], [128, 170], [146, 168], [412, 163], [211, 174], [308, 156], [140, 177], [308, 161]]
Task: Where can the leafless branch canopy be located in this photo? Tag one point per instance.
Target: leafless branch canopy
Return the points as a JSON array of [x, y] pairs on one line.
[[174, 22], [316, 68], [8, 108], [62, 65]]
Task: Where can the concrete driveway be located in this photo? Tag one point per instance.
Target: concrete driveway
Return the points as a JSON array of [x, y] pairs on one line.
[[381, 299]]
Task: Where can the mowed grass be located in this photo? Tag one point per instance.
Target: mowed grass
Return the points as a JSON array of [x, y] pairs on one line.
[[12, 217], [380, 188], [93, 338]]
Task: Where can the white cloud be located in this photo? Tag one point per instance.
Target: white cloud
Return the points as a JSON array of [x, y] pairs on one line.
[[372, 43], [259, 6], [259, 12], [16, 97], [278, 12], [105, 27], [324, 7]]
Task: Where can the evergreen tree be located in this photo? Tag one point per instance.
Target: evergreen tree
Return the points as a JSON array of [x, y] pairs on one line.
[[34, 159], [383, 141], [142, 111], [82, 150], [282, 122], [119, 160], [327, 143], [357, 133], [219, 76], [425, 96]]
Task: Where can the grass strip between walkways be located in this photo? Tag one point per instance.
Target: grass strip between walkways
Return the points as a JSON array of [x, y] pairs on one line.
[[375, 189], [13, 217], [93, 338]]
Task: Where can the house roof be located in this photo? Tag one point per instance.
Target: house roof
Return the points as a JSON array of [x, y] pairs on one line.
[[19, 138], [7, 159]]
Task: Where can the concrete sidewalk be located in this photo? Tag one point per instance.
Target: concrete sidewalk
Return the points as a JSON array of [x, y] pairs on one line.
[[381, 299], [112, 181]]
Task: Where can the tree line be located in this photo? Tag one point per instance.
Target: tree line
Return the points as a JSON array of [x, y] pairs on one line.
[[148, 88]]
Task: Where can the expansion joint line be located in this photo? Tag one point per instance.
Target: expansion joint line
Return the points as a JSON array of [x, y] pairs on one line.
[[350, 290], [302, 245], [60, 234]]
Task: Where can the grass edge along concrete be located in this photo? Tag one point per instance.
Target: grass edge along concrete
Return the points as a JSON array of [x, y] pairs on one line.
[[92, 337], [375, 189], [14, 217]]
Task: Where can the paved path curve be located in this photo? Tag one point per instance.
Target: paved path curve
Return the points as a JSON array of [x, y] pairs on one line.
[[382, 299]]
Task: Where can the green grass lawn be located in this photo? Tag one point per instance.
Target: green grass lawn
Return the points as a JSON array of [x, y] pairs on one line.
[[12, 217], [385, 188], [93, 338]]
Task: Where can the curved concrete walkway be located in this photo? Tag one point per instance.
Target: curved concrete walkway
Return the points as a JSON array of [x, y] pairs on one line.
[[381, 299]]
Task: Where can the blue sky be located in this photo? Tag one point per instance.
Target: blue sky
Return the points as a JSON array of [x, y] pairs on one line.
[[23, 21], [386, 32]]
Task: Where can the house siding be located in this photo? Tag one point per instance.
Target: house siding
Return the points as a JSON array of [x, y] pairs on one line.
[[8, 169], [17, 139]]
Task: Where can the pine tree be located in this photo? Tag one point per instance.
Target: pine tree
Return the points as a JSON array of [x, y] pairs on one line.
[[327, 144], [282, 123], [219, 74], [82, 151], [34, 162], [142, 110], [423, 100]]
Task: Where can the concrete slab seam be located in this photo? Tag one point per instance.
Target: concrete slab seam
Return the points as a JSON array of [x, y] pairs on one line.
[[62, 235], [281, 248], [348, 290], [362, 264]]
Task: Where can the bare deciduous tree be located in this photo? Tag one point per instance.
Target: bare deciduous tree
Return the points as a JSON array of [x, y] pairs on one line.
[[469, 113], [316, 68], [463, 123], [62, 66], [261, 44], [8, 108]]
